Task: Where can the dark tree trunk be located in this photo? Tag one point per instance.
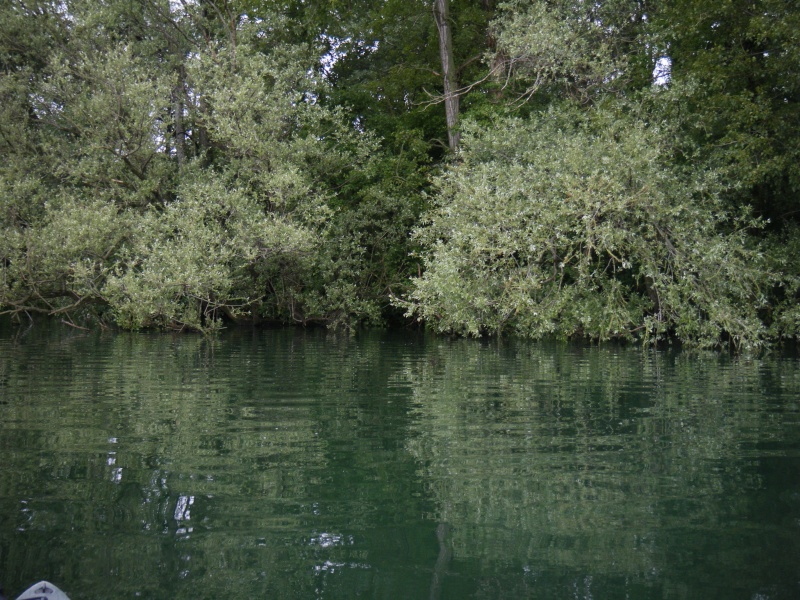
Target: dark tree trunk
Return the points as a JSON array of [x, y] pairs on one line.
[[441, 13]]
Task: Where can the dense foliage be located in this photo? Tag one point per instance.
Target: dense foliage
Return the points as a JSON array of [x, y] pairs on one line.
[[622, 169], [559, 224]]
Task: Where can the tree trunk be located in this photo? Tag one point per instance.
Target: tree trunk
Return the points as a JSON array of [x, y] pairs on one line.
[[180, 131], [441, 13]]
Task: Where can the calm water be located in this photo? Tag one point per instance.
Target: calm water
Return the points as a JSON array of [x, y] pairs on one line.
[[291, 464]]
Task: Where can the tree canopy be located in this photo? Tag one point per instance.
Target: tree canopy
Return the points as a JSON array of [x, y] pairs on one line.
[[623, 169]]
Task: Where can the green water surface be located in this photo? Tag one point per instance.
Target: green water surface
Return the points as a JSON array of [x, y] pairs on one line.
[[302, 464]]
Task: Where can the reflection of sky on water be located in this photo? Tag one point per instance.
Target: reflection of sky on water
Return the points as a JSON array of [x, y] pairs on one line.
[[328, 540], [183, 513], [111, 461], [182, 508], [330, 566], [116, 475]]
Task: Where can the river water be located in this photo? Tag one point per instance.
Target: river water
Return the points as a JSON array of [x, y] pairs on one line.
[[303, 464]]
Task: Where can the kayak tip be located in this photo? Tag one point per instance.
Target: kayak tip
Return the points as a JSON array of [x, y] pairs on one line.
[[44, 590]]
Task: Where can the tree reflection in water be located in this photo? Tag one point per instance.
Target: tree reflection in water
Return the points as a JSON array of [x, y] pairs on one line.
[[301, 464]]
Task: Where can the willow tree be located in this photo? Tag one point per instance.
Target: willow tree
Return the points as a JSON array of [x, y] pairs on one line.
[[169, 165], [586, 210], [559, 225]]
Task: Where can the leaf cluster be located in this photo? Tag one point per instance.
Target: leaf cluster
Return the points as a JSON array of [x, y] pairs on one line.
[[576, 224]]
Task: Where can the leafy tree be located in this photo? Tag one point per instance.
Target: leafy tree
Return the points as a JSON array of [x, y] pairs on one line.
[[567, 48], [733, 91], [172, 166], [619, 207], [179, 164], [575, 224]]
